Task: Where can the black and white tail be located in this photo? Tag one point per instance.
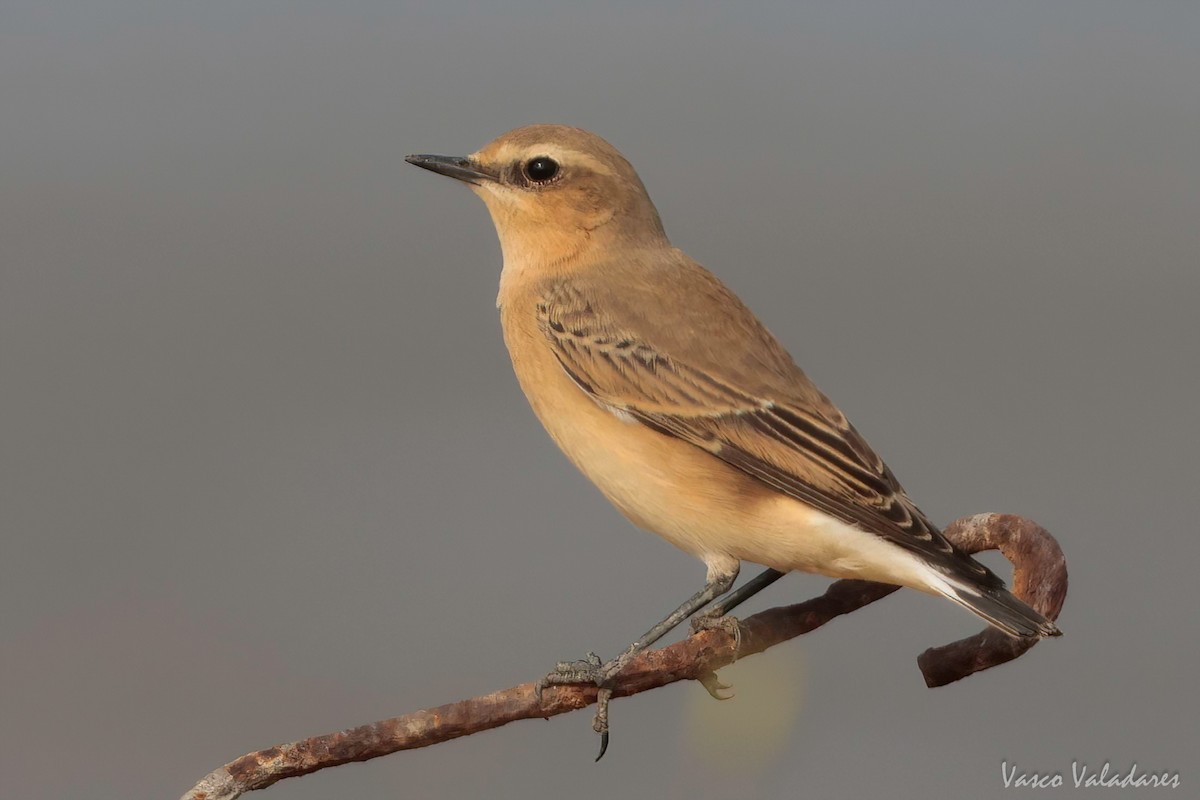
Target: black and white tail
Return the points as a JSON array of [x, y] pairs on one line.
[[1000, 607]]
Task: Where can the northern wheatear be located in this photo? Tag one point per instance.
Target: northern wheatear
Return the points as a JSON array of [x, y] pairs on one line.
[[670, 395]]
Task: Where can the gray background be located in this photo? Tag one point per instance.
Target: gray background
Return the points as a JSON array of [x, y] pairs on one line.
[[265, 473]]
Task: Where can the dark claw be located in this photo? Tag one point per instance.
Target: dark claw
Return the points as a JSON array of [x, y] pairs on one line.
[[600, 721], [589, 670]]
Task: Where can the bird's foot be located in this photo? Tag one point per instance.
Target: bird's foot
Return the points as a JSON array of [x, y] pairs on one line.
[[587, 670], [714, 620], [716, 689]]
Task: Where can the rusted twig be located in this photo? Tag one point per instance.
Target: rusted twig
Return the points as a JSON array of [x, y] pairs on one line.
[[1040, 579]]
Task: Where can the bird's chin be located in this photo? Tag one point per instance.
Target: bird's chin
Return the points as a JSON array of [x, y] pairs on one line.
[[485, 191], [502, 202]]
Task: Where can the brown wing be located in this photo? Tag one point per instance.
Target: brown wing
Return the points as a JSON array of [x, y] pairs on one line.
[[716, 378]]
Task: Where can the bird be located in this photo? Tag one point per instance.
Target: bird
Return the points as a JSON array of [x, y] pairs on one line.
[[669, 394]]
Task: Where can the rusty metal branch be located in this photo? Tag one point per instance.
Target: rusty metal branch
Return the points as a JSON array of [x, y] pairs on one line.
[[1040, 579]]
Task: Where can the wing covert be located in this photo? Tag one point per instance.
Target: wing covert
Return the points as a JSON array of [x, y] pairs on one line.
[[783, 432]]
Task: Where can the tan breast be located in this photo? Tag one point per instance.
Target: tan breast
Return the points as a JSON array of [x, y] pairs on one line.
[[662, 484]]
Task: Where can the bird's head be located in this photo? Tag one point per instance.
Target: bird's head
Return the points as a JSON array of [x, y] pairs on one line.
[[555, 193]]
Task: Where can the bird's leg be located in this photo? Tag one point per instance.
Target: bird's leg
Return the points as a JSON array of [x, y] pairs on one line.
[[716, 616], [591, 670], [720, 580]]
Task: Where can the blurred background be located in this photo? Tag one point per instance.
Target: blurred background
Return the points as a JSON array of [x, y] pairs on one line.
[[265, 472]]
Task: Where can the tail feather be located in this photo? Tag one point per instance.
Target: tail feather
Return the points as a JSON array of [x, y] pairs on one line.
[[1001, 608]]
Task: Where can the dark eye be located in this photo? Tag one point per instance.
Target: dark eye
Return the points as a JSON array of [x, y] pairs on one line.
[[541, 169]]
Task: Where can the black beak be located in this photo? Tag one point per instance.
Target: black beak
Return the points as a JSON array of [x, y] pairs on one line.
[[462, 169]]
